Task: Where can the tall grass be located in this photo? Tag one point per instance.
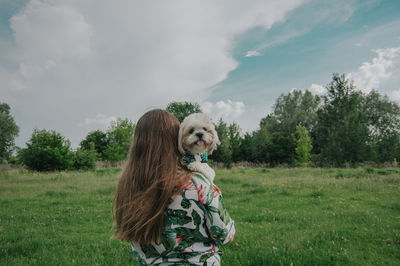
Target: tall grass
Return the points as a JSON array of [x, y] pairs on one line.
[[283, 216]]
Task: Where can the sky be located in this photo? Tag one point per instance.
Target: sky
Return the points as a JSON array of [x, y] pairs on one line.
[[74, 66]]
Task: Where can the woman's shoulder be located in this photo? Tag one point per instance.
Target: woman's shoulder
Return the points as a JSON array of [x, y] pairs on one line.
[[199, 178], [198, 187], [196, 181]]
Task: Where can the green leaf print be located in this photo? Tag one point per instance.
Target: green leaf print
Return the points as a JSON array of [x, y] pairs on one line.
[[184, 244], [223, 213], [168, 238], [185, 232], [178, 217], [196, 218], [184, 255], [185, 203], [210, 196], [205, 257], [212, 209], [149, 251], [194, 234], [201, 207], [219, 234], [209, 216]]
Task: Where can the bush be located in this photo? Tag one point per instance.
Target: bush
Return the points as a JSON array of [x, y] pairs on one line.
[[98, 139], [85, 159], [13, 160], [47, 151]]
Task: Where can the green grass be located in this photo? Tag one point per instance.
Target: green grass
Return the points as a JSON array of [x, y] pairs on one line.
[[283, 216]]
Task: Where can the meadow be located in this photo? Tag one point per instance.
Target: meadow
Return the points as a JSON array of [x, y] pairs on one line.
[[283, 216]]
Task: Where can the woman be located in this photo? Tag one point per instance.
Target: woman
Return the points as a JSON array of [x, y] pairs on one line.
[[171, 216]]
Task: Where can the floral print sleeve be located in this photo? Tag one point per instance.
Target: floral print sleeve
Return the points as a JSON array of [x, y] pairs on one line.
[[218, 222], [196, 224]]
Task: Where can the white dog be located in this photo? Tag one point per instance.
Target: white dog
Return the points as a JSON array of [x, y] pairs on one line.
[[197, 139]]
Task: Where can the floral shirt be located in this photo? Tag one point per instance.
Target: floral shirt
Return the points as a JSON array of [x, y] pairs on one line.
[[196, 224]]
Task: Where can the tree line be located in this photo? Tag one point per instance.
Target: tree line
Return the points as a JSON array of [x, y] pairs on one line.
[[345, 126], [48, 150]]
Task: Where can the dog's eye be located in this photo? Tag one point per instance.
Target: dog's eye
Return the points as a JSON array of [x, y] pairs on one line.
[[205, 129], [191, 131]]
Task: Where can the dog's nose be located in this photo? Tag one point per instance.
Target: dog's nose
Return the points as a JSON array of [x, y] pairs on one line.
[[199, 135]]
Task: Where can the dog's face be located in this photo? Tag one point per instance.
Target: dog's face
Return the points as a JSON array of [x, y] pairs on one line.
[[197, 134]]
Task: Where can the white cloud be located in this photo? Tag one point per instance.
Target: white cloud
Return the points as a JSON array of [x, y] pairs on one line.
[[252, 53], [45, 29], [100, 121], [395, 95], [370, 75], [228, 110], [314, 89], [76, 59], [247, 117], [317, 89]]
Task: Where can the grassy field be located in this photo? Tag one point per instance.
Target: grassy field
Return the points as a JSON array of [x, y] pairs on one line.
[[283, 217]]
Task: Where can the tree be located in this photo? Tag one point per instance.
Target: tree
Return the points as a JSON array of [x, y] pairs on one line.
[[235, 142], [182, 109], [85, 158], [8, 132], [98, 140], [383, 119], [223, 153], [119, 136], [303, 146], [386, 148], [246, 148], [290, 110], [270, 147], [342, 131], [259, 145], [47, 151], [280, 149]]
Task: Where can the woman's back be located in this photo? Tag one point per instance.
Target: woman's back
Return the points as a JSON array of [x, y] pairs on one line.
[[196, 223]]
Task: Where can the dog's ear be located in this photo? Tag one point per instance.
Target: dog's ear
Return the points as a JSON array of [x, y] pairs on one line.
[[215, 142], [180, 144]]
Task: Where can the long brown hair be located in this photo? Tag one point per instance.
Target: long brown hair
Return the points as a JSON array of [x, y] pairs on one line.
[[149, 179]]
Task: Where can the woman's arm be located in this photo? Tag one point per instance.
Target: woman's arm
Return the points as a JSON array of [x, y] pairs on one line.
[[219, 224]]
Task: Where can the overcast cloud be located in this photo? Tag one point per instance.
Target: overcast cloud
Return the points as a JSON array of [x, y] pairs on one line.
[[72, 64], [76, 65]]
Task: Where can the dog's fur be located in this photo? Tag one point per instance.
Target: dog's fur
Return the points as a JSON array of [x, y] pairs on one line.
[[197, 135]]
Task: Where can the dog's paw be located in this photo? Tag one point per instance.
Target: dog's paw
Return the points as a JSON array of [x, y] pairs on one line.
[[195, 166], [210, 174], [203, 169]]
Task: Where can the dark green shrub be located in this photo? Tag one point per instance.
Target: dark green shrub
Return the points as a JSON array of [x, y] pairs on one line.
[[47, 151], [98, 139], [13, 160], [85, 159]]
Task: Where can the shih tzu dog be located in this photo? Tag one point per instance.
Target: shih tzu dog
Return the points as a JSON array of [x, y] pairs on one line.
[[197, 139]]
